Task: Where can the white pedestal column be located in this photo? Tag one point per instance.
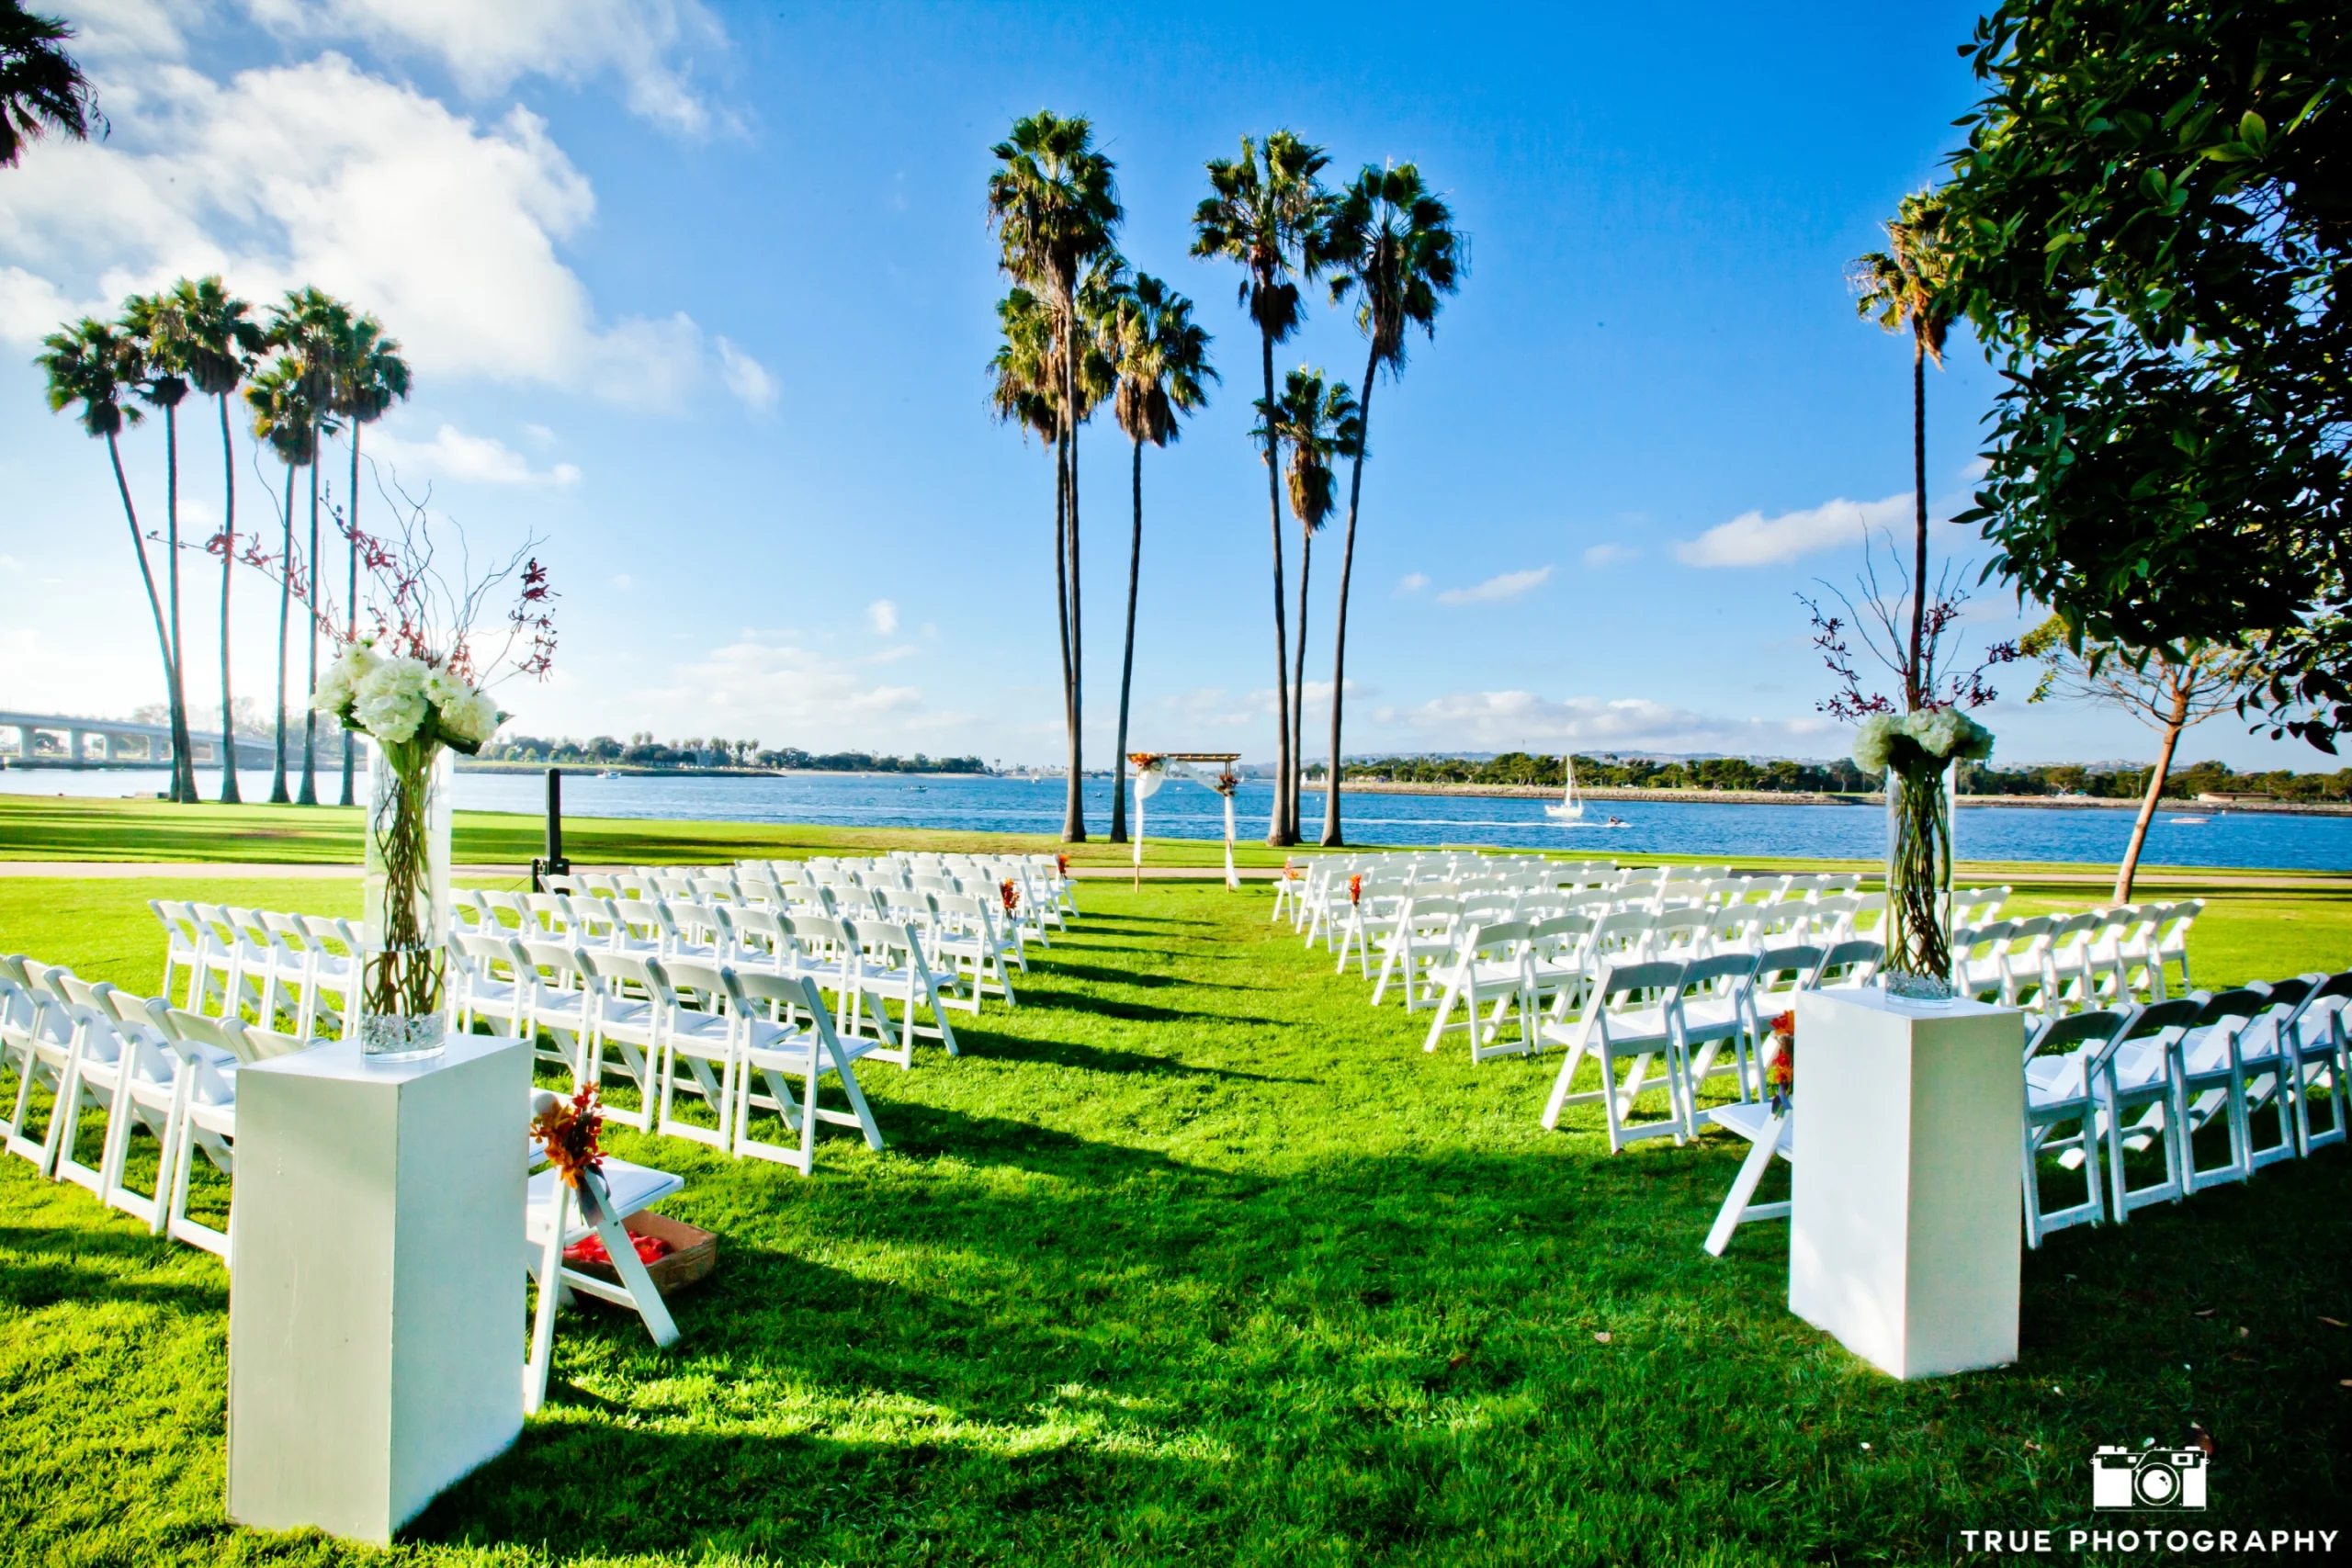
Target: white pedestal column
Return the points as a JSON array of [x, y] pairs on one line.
[[1905, 1230], [376, 1301]]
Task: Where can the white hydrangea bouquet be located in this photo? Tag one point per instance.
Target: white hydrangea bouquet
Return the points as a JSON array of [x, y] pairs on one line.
[[1916, 751], [416, 688]]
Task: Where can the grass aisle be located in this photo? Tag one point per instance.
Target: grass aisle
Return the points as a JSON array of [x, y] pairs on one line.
[[1194, 1257]]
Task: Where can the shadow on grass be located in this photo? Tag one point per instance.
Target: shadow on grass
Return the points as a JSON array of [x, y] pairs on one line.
[[1392, 1354]]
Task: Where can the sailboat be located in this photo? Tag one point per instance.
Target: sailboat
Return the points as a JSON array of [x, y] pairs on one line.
[[1568, 808]]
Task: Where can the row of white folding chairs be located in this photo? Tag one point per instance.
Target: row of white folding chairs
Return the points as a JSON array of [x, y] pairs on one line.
[[1307, 889], [2095, 959], [302, 970], [1696, 1019], [717, 1032], [970, 949], [1432, 936], [1545, 964], [2103, 1084], [140, 1062], [147, 1067]]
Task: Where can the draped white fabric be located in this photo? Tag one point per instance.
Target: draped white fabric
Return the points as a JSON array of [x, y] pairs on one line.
[[1148, 783]]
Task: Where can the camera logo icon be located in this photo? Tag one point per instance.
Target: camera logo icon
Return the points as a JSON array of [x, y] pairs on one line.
[[2139, 1479]]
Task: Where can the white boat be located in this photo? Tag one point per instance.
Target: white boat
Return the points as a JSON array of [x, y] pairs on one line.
[[1568, 808], [608, 773], [2188, 821]]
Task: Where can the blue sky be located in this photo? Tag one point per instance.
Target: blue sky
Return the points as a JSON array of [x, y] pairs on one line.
[[703, 297]]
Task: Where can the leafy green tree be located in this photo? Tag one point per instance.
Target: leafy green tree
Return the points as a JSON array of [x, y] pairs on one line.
[[369, 376], [1903, 288], [150, 322], [1055, 207], [1315, 423], [93, 363], [217, 342], [1393, 246], [42, 89], [1268, 211], [1161, 361], [286, 416], [2168, 690], [2149, 235]]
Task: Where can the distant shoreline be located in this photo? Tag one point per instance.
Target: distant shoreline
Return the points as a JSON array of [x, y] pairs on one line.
[[1600, 794]]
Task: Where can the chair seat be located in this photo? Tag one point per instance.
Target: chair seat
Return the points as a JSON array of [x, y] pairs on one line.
[[1748, 1118], [633, 1187]]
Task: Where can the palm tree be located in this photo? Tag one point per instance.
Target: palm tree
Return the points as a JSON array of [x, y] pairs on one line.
[[1055, 208], [40, 87], [369, 375], [1161, 361], [285, 416], [1903, 286], [308, 326], [220, 343], [152, 324], [1268, 211], [1394, 246], [91, 363], [1316, 423]]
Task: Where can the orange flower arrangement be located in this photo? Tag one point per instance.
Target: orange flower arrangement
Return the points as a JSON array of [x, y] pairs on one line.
[[568, 1130], [1355, 888], [1780, 1059], [1010, 893]]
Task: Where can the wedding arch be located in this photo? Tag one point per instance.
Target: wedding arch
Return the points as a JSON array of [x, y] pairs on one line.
[[1154, 769]]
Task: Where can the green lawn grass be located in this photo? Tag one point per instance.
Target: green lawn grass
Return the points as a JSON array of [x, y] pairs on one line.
[[1197, 1259]]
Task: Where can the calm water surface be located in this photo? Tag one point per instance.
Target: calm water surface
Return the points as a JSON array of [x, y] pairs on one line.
[[1186, 810]]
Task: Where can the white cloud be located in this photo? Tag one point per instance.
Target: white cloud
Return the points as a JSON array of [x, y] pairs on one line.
[[323, 174], [1412, 583], [1600, 556], [745, 376], [135, 29], [1515, 720], [1495, 590], [770, 683], [487, 44], [624, 582], [1753, 539], [10, 563], [31, 307], [452, 454], [883, 617]]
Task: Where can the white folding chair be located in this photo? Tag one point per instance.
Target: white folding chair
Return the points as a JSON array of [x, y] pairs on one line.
[[784, 1033], [1488, 974], [1770, 1132], [1630, 1017], [2062, 1115], [556, 1218]]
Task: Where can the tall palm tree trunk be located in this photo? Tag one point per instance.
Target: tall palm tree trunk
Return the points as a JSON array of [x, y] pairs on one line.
[[1299, 682], [183, 750], [310, 796], [1282, 831], [1074, 807], [1916, 680], [279, 794], [351, 597], [228, 793], [2130, 866], [1062, 601], [146, 574], [1332, 837], [1127, 663]]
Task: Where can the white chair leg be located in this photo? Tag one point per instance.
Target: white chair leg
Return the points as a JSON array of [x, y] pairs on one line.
[[1751, 1175]]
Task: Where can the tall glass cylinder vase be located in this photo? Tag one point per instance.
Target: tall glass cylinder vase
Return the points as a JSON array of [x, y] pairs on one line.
[[402, 1009], [1918, 880]]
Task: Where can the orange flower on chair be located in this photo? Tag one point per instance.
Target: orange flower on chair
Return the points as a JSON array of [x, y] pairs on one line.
[[568, 1130], [1011, 894]]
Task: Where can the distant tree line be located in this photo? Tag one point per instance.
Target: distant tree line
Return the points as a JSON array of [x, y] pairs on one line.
[[1842, 777], [641, 750]]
